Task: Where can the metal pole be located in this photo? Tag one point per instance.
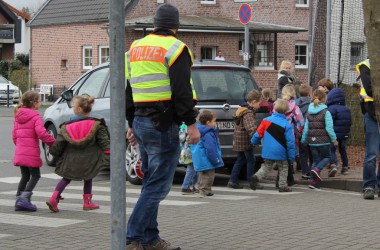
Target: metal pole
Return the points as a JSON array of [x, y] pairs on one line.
[[117, 124], [246, 45], [8, 96], [328, 38], [310, 38]]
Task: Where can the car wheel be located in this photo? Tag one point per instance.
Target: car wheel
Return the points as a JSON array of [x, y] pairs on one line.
[[50, 159], [133, 165]]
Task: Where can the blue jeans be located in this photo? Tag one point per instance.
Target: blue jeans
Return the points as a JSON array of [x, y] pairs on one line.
[[372, 148], [321, 156], [342, 151], [159, 153], [191, 177], [304, 158], [243, 157]]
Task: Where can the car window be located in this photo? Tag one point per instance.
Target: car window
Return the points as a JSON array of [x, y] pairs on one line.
[[222, 84], [108, 90], [93, 83], [3, 80]]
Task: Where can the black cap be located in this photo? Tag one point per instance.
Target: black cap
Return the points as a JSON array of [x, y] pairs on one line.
[[167, 16]]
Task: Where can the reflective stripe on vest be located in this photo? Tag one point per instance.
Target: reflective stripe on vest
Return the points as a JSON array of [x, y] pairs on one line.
[[147, 67], [363, 94]]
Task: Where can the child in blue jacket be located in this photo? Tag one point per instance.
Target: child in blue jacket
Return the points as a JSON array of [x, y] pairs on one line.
[[278, 145], [207, 154], [341, 115]]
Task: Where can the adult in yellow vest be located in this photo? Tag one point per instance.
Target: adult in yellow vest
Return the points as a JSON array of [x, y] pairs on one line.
[[159, 96], [372, 135]]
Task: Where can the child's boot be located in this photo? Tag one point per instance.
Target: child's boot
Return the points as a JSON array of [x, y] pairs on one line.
[[87, 203], [17, 207], [53, 202], [24, 202]]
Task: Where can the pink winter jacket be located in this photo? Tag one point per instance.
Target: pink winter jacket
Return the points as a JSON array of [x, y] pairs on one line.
[[28, 127]]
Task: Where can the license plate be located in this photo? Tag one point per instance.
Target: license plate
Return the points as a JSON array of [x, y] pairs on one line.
[[225, 125]]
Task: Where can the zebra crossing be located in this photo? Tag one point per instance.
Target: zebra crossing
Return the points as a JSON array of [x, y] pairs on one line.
[[73, 203]]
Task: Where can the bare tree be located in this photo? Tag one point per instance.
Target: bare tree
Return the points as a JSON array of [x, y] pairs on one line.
[[372, 29]]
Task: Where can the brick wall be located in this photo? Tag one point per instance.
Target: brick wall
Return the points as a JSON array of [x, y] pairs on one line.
[[52, 44]]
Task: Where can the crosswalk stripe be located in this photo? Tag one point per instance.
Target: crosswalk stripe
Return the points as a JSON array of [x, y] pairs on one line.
[[77, 207], [35, 221], [5, 235], [10, 180], [171, 193], [108, 198], [16, 179]]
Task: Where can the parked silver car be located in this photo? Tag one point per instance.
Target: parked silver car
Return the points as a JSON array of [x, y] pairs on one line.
[[14, 92], [220, 87]]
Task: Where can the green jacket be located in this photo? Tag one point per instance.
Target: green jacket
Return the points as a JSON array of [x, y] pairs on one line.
[[82, 148]]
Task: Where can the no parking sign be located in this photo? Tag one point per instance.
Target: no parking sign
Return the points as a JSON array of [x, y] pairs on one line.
[[245, 13]]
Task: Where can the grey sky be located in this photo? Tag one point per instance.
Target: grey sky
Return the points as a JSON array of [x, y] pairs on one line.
[[33, 5]]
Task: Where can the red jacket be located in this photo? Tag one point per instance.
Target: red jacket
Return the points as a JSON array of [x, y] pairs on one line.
[[28, 129]]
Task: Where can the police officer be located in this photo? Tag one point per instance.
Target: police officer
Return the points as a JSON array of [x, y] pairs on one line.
[[372, 136], [159, 96]]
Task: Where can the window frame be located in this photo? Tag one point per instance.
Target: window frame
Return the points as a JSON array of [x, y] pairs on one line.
[[100, 53], [213, 52], [302, 4], [208, 1], [361, 53], [306, 44], [84, 48]]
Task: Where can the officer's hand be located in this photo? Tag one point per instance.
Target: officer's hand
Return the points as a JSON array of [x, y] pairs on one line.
[[194, 134], [131, 137], [335, 143]]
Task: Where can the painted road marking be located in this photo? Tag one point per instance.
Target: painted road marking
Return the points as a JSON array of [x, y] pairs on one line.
[[36, 221]]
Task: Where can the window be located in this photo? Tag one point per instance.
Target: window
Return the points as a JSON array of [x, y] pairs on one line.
[[94, 83], [302, 3], [64, 63], [356, 53], [104, 54], [301, 55], [263, 53], [208, 1], [87, 57], [208, 53]]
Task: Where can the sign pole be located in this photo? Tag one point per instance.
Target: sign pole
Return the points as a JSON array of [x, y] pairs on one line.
[[246, 45], [245, 15]]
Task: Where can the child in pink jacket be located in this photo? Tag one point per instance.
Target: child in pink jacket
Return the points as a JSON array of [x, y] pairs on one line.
[[28, 129]]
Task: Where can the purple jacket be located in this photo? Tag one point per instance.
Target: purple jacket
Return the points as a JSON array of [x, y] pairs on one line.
[[28, 128]]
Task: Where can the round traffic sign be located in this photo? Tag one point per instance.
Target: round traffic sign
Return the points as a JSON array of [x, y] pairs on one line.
[[245, 13]]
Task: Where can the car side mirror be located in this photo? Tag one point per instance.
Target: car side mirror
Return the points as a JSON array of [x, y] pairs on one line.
[[68, 96]]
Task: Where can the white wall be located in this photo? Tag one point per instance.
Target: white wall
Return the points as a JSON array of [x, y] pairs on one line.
[[24, 46]]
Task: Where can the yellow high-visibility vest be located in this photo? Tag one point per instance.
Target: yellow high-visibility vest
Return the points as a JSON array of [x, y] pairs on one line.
[[147, 67], [363, 94]]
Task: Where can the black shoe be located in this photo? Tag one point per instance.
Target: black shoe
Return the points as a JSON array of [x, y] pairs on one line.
[[186, 191], [306, 176], [234, 185], [369, 193], [293, 183], [254, 182]]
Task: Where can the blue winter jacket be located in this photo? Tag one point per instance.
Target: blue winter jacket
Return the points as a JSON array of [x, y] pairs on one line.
[[328, 124], [278, 139], [207, 153], [340, 113]]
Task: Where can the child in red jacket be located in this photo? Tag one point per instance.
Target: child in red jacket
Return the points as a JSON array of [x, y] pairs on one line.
[[28, 129]]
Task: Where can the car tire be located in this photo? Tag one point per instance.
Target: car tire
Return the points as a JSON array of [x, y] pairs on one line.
[[50, 159], [133, 165]]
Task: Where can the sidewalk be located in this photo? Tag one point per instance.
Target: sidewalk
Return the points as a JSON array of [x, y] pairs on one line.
[[350, 182]]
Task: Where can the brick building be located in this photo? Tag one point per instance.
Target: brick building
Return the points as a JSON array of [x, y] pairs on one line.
[[70, 37]]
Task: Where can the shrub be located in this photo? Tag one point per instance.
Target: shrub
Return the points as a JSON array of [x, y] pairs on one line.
[[23, 58], [20, 79], [4, 68]]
